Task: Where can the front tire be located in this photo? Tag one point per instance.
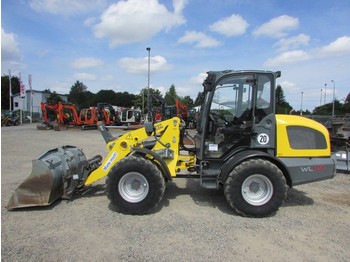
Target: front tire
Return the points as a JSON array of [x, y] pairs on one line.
[[255, 188], [135, 185]]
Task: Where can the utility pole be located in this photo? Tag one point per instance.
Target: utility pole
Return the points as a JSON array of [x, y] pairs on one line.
[[301, 103], [325, 89], [149, 101], [30, 97], [10, 90], [333, 97]]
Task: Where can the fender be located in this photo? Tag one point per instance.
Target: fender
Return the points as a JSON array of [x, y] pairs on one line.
[[160, 162], [237, 158]]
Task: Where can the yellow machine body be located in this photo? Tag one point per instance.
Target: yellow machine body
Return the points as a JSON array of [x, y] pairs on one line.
[[168, 132], [295, 135]]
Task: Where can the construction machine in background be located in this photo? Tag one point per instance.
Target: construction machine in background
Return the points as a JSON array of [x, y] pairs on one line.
[[108, 114], [60, 116], [67, 116], [192, 118], [131, 116], [241, 146], [169, 111], [49, 116], [89, 118], [10, 118], [341, 144], [179, 110]]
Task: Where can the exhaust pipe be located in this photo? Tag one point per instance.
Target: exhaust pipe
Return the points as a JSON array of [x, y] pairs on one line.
[[55, 175]]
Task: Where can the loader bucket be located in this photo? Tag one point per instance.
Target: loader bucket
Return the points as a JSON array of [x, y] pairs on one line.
[[54, 175]]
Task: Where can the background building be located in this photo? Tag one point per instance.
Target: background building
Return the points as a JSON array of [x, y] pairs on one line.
[[32, 102], [28, 108]]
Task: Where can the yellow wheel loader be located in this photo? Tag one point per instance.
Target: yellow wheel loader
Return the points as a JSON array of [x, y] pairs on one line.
[[241, 146]]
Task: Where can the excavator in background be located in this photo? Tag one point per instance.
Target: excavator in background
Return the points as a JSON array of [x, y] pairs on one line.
[[59, 116], [131, 116], [242, 147], [49, 116], [62, 115], [179, 110], [89, 118], [68, 115], [165, 112], [108, 114]]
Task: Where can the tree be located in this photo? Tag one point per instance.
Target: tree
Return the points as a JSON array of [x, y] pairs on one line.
[[327, 109], [106, 96], [79, 95], [282, 106], [170, 95], [156, 98], [125, 99], [5, 96], [54, 98], [141, 99], [188, 101]]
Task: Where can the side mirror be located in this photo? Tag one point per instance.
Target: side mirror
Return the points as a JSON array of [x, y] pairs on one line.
[[149, 128]]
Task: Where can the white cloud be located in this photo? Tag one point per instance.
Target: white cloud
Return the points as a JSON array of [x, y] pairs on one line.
[[90, 21], [162, 89], [66, 7], [84, 76], [107, 78], [289, 87], [293, 42], [339, 47], [230, 26], [86, 62], [277, 27], [198, 79], [9, 46], [11, 57], [135, 21], [200, 39], [179, 6], [61, 86], [140, 65], [288, 58]]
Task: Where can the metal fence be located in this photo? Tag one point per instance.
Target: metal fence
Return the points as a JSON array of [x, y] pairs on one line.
[[24, 116]]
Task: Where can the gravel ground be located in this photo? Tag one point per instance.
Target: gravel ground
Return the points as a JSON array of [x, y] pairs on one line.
[[190, 224]]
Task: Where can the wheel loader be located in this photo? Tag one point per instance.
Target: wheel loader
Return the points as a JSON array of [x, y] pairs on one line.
[[241, 147]]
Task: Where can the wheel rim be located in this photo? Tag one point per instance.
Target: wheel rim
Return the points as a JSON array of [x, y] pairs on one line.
[[257, 190], [133, 187]]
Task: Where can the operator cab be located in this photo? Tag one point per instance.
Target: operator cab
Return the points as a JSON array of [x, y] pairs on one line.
[[237, 112]]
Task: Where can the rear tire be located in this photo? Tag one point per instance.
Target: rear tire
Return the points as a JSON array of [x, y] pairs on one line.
[[255, 188], [135, 185]]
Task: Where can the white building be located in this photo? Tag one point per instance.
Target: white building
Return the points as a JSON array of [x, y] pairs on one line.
[[32, 102]]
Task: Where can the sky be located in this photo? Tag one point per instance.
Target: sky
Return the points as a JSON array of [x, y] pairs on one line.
[[102, 43]]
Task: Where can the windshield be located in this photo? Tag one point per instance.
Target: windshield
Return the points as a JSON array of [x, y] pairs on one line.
[[234, 96]]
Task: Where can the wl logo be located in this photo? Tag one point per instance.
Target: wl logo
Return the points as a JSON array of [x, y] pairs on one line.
[[313, 168]]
